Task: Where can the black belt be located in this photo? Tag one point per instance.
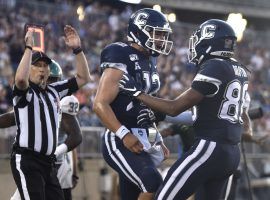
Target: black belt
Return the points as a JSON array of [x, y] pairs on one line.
[[25, 151]]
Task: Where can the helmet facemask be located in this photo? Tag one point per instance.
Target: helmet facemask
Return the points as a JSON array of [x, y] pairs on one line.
[[151, 30], [158, 39], [192, 54], [195, 54]]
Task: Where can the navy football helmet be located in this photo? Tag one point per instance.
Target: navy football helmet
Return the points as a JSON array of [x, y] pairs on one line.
[[214, 38], [150, 29]]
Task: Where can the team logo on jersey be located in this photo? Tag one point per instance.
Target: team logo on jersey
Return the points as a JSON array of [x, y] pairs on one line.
[[133, 57]]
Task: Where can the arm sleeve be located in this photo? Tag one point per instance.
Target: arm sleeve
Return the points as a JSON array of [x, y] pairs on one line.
[[209, 79], [21, 97]]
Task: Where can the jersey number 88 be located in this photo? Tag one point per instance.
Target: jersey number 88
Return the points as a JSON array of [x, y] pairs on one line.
[[232, 106]]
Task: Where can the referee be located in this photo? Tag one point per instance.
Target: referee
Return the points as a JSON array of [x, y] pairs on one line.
[[36, 107]]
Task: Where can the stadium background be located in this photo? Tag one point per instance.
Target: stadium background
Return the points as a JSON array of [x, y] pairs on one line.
[[102, 22]]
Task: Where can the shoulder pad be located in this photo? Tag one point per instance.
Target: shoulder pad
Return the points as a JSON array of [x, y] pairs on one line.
[[114, 56], [70, 105], [216, 67]]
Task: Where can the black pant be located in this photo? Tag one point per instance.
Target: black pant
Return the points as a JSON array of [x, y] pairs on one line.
[[67, 194], [35, 176]]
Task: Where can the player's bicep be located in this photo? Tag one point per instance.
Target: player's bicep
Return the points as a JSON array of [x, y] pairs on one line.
[[108, 86], [70, 124]]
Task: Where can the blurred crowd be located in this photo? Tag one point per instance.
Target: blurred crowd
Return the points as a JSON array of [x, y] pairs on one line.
[[101, 24]]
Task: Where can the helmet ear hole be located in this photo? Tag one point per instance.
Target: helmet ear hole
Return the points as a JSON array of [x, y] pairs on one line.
[[229, 43]]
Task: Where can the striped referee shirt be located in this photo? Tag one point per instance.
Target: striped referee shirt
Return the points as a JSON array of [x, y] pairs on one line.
[[37, 113]]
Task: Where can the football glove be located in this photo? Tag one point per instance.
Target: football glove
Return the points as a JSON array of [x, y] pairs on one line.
[[128, 86], [146, 118]]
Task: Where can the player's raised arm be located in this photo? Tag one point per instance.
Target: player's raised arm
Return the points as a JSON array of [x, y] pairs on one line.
[[73, 41], [23, 70]]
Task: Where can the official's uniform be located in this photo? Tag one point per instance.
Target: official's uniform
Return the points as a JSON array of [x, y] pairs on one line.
[[218, 126], [137, 171], [37, 118]]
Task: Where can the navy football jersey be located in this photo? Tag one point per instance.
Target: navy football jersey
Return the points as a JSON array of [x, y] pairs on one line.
[[141, 67], [224, 84]]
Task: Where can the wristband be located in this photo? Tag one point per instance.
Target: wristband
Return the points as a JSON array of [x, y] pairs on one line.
[[28, 47], [61, 149], [121, 132], [77, 50]]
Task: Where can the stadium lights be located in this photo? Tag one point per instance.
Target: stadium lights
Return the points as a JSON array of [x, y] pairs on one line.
[[157, 7], [81, 17], [171, 17], [132, 1], [80, 12], [238, 24]]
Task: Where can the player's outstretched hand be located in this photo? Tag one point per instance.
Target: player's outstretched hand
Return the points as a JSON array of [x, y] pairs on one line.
[[72, 38], [127, 85], [132, 143]]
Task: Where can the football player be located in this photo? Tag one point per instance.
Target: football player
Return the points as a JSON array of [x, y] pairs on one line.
[[218, 93], [133, 150], [67, 173]]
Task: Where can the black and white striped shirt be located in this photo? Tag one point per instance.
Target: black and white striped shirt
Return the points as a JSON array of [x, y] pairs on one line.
[[37, 115]]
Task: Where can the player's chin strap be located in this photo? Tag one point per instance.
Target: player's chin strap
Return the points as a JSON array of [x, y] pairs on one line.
[[250, 192]]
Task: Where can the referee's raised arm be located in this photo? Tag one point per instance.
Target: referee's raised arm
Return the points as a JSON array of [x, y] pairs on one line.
[[23, 71], [73, 41]]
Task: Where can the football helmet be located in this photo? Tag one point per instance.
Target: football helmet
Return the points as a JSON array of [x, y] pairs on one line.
[[213, 38], [70, 105], [55, 70], [150, 29]]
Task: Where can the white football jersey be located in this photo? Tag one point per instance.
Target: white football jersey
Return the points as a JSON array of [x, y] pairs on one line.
[[70, 105]]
